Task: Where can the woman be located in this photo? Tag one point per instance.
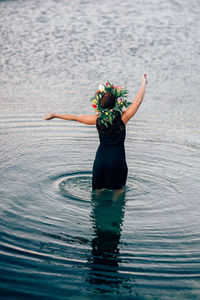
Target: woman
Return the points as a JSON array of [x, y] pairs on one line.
[[110, 168]]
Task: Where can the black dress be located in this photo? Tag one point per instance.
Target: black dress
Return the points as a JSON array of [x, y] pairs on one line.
[[110, 168]]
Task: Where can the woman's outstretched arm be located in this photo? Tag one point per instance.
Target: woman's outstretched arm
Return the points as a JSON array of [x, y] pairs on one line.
[[131, 110], [85, 119]]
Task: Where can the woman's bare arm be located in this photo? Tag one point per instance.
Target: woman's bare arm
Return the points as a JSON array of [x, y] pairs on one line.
[[132, 109], [85, 119]]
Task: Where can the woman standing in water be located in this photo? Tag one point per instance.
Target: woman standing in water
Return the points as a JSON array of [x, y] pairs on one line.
[[112, 114]]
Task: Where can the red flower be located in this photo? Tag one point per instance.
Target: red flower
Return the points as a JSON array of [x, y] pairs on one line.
[[94, 106]]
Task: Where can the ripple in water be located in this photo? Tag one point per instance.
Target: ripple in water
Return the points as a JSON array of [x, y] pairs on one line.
[[76, 185]]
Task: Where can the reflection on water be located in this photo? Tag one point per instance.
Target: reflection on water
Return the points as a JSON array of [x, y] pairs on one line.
[[107, 218]]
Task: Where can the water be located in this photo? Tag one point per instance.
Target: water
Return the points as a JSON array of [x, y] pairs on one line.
[[57, 239]]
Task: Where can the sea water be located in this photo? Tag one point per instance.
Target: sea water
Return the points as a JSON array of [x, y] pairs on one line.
[[58, 240]]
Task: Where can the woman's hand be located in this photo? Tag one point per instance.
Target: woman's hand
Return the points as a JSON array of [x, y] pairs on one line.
[[144, 78], [49, 117]]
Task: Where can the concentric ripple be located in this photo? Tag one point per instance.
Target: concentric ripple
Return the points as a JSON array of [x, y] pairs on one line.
[[76, 185]]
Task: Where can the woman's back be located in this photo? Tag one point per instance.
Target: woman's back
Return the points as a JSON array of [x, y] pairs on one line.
[[110, 168], [115, 138]]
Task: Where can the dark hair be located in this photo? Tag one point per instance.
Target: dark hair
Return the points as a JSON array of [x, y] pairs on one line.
[[109, 101]]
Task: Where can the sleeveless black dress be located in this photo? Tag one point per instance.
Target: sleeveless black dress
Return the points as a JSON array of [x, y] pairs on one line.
[[110, 168]]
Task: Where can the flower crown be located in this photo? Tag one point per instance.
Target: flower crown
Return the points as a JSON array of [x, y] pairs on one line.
[[107, 115]]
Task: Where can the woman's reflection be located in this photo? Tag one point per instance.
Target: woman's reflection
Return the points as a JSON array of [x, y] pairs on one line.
[[107, 216]]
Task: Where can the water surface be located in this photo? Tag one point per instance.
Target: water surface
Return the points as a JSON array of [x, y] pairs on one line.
[[58, 240]]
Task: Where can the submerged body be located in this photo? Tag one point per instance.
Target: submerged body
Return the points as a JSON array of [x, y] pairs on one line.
[[110, 168]]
